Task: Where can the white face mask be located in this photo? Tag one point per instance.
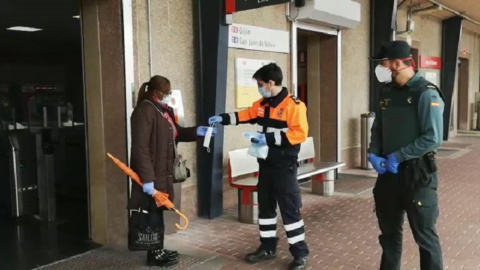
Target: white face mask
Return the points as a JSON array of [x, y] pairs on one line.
[[166, 100], [384, 74]]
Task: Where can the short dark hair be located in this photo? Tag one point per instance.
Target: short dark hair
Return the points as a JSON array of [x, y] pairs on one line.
[[270, 72]]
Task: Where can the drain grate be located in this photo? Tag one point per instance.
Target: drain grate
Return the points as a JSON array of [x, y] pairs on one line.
[[108, 259]]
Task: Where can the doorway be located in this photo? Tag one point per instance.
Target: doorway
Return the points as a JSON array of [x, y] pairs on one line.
[[44, 204], [317, 80], [462, 99], [414, 52]]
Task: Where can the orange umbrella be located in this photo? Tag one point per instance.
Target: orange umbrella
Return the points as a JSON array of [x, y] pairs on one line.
[[161, 198]]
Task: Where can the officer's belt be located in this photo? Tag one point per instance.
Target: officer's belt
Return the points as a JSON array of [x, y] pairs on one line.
[[415, 173]]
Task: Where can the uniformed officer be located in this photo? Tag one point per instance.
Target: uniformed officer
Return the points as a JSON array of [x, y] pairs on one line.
[[282, 125], [405, 136]]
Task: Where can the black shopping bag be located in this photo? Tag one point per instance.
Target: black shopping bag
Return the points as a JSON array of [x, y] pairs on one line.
[[145, 231]]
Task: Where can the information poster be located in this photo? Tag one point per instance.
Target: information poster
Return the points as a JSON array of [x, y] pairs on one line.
[[177, 104], [431, 77], [246, 89]]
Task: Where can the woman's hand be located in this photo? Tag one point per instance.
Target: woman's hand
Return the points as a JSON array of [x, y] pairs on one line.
[[202, 130], [149, 188]]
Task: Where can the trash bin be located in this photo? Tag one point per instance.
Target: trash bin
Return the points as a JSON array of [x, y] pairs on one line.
[[366, 125], [248, 212], [478, 115]]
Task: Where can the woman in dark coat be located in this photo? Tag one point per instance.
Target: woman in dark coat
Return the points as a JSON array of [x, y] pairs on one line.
[[155, 133]]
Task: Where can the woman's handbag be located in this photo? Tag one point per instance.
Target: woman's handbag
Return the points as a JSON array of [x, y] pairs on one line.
[[145, 231], [181, 172]]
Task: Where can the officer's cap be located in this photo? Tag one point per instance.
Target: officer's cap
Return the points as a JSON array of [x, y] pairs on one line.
[[397, 49]]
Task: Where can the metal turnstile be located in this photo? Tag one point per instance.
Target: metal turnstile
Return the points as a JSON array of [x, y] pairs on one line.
[[46, 174], [5, 196], [23, 172]]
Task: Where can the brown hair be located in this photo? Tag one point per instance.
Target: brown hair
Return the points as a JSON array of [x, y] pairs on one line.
[[156, 83]]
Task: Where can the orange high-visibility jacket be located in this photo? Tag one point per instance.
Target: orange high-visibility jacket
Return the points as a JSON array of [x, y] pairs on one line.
[[282, 118]]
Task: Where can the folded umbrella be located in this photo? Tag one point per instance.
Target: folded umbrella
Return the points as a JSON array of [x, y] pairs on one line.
[[161, 198]]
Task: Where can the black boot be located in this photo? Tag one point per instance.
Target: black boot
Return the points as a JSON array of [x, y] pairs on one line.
[[171, 253], [160, 258], [260, 255], [298, 263]]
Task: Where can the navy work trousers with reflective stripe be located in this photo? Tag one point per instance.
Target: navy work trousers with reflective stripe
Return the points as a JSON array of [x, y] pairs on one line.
[[279, 185], [392, 200]]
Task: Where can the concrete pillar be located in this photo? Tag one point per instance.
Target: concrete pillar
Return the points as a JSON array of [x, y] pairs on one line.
[[105, 105]]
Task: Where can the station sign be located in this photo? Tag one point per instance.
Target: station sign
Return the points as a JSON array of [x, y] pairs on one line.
[[233, 6], [431, 62]]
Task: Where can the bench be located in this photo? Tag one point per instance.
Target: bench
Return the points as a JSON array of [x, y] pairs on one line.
[[243, 175]]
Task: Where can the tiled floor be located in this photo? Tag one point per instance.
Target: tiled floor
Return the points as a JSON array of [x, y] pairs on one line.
[[342, 230]]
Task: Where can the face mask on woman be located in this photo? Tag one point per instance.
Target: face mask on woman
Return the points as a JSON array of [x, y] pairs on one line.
[[166, 99]]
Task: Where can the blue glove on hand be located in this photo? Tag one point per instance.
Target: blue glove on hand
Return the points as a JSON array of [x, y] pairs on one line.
[[202, 130], [392, 163], [149, 188], [259, 139], [215, 120], [378, 163]]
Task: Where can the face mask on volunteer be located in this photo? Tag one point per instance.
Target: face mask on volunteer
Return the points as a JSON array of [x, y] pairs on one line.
[[263, 92], [384, 74]]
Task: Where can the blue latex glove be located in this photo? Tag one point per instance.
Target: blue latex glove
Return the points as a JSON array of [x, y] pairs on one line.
[[250, 135], [202, 130], [215, 120], [259, 139], [392, 163], [149, 188], [378, 163]]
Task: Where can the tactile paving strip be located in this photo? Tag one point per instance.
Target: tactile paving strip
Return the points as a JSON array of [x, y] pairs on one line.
[[108, 259]]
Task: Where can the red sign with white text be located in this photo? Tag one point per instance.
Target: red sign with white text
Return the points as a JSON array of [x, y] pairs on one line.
[[430, 62]]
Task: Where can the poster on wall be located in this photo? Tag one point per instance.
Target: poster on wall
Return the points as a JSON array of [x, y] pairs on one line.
[[431, 77], [246, 89], [177, 104]]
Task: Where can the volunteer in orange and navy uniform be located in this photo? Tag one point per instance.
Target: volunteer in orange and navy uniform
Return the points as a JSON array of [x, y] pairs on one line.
[[282, 126]]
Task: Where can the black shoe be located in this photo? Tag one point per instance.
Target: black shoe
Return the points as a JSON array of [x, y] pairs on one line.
[[298, 263], [260, 255], [160, 258], [171, 253]]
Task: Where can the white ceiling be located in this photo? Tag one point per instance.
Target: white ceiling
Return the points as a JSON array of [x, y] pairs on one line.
[[53, 16]]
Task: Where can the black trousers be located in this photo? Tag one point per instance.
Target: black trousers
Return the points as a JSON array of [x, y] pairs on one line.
[[392, 200], [279, 185]]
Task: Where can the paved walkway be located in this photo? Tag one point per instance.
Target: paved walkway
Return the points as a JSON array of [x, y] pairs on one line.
[[342, 230]]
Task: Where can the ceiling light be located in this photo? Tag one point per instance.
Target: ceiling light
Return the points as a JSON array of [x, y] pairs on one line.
[[24, 29], [76, 17]]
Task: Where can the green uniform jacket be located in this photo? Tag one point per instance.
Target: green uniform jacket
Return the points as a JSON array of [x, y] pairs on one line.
[[409, 133]]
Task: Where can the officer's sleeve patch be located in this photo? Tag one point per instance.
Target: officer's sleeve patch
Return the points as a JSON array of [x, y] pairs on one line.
[[435, 104]]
